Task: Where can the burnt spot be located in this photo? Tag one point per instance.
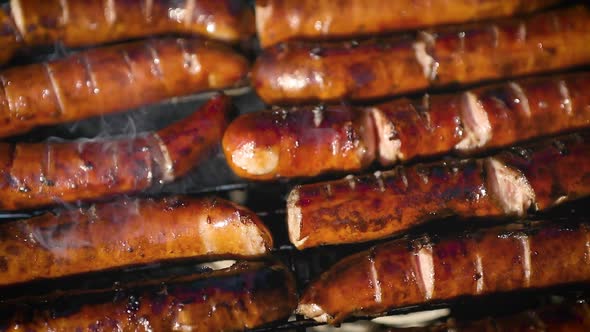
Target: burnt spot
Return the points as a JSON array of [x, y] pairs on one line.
[[13, 250], [362, 74], [3, 264]]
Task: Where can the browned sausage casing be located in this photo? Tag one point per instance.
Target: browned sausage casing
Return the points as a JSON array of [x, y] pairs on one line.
[[10, 39], [303, 72], [280, 20], [401, 273], [39, 174], [90, 22], [279, 142], [128, 232], [368, 207], [113, 79], [243, 296]]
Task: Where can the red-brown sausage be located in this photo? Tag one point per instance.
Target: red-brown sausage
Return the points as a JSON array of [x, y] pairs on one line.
[[279, 142], [39, 174], [113, 79], [401, 273], [555, 318], [280, 20], [302, 72], [10, 39], [364, 208], [241, 297], [147, 231]]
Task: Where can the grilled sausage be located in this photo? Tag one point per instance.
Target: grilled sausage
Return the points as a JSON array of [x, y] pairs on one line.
[[279, 142], [304, 72], [363, 208], [556, 318], [280, 20], [113, 79], [90, 22], [10, 39], [147, 231], [401, 273], [244, 296], [39, 174]]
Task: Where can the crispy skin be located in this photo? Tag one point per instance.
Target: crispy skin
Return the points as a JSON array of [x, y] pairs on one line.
[[128, 232], [10, 39], [300, 72], [113, 79], [39, 174], [299, 142], [243, 296], [91, 22], [368, 207], [411, 272], [280, 20]]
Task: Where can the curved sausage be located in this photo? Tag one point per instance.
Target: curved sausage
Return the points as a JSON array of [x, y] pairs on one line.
[[113, 79], [10, 39], [369, 207], [306, 141], [147, 231], [241, 297], [407, 272], [39, 174], [90, 22], [300, 72], [280, 20]]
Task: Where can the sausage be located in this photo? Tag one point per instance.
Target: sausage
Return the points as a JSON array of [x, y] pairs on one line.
[[280, 20], [511, 183], [279, 142], [407, 272], [39, 174], [558, 318], [299, 142], [148, 231], [10, 39], [243, 296], [113, 79], [83, 23], [301, 72]]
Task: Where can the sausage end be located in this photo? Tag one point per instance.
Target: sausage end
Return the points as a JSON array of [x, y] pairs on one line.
[[314, 311], [294, 218]]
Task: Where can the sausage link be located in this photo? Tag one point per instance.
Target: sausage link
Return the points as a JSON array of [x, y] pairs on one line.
[[10, 39], [241, 297], [406, 272], [363, 208], [148, 231], [113, 79], [40, 174], [280, 20], [300, 72]]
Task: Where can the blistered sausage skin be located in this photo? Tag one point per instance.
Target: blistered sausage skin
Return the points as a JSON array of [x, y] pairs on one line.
[[407, 272], [298, 72], [147, 231], [369, 207], [113, 79], [241, 297], [10, 39], [39, 174], [280, 20]]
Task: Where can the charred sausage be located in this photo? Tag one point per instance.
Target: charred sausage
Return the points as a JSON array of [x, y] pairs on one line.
[[407, 272], [303, 72], [306, 141], [147, 231], [10, 39], [280, 20], [243, 296], [113, 79], [39, 174], [364, 208]]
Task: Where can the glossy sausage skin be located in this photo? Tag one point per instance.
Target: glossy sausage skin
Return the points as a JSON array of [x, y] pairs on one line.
[[299, 142], [556, 318], [368, 207], [279, 142], [300, 72], [90, 22], [404, 272], [113, 79], [10, 39], [39, 174], [147, 231], [280, 20], [243, 296]]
